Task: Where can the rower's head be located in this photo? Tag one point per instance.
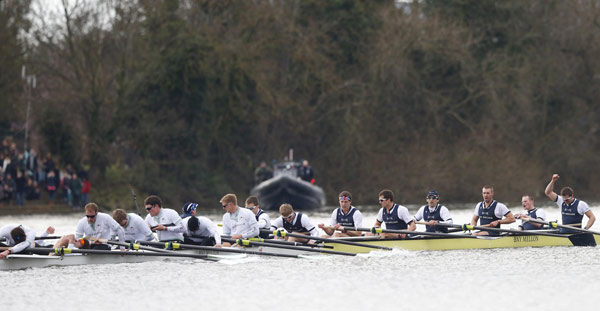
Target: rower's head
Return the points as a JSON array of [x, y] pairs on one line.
[[567, 195], [433, 198], [82, 243], [252, 204], [287, 212], [527, 202], [345, 199], [487, 192], [120, 216], [189, 209], [153, 204], [18, 234], [193, 224], [91, 211], [229, 203], [386, 198]]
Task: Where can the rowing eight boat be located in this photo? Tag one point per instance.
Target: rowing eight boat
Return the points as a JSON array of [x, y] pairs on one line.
[[481, 242]]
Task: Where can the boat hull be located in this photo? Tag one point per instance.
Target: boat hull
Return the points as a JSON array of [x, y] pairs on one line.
[[436, 244], [282, 189]]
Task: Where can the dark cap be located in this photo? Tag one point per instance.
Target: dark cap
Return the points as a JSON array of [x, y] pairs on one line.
[[188, 208], [433, 194], [193, 224]]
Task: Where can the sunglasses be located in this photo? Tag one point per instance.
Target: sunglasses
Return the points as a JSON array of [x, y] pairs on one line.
[[225, 205], [91, 216], [382, 200], [250, 207], [291, 216], [432, 197], [149, 207]]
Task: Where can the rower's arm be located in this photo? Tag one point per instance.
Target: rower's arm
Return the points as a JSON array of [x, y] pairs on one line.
[[327, 229], [508, 219], [412, 226], [474, 220], [591, 219], [550, 188]]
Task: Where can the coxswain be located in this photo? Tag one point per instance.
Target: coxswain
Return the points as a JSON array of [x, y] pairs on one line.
[[572, 209], [134, 226], [395, 216], [263, 219], [433, 213], [295, 223], [199, 230], [165, 221], [239, 223], [344, 216], [490, 213]]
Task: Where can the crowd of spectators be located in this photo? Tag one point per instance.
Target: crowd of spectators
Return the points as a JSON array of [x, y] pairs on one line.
[[24, 177]]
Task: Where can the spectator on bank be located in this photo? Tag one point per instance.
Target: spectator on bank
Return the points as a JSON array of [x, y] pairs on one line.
[[32, 190], [49, 164], [20, 184], [31, 164], [1, 186], [9, 187], [76, 187], [65, 185], [86, 186], [51, 185]]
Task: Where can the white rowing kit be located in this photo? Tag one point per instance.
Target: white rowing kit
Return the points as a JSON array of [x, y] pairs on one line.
[[241, 222], [104, 227], [167, 216]]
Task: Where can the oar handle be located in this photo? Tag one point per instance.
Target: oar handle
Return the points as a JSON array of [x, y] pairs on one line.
[[380, 230]]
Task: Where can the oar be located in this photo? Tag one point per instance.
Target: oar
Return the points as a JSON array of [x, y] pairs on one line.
[[281, 233], [50, 237], [62, 251], [515, 232], [176, 245], [379, 230], [271, 241], [553, 224], [243, 242]]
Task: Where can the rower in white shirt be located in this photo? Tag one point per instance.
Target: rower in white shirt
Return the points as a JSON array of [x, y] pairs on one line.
[[165, 221], [134, 226], [239, 223], [433, 212], [199, 230], [18, 238], [295, 223], [263, 219], [97, 226]]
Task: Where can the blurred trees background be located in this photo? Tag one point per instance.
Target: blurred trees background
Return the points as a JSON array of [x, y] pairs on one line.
[[184, 98]]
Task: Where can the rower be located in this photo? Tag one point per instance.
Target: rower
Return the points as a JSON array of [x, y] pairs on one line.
[[572, 209], [239, 223], [165, 221], [199, 230], [18, 238], [433, 212], [395, 216], [97, 226], [344, 216], [530, 212], [263, 219], [134, 226], [295, 223], [491, 212]]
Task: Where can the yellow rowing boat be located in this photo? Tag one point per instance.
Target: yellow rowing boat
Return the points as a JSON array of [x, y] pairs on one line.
[[482, 242]]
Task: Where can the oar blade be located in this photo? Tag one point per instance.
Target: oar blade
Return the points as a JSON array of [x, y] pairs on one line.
[[582, 239]]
